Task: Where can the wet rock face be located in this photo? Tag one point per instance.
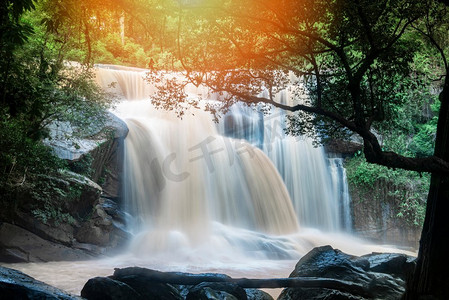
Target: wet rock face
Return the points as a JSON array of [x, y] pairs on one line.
[[17, 285], [375, 218], [373, 276]]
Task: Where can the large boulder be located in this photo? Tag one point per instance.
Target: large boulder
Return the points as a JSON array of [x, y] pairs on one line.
[[99, 152], [51, 222], [255, 294], [88, 193], [216, 290], [395, 264], [71, 146], [208, 293], [131, 286], [20, 245], [63, 233], [104, 288], [17, 285], [351, 277]]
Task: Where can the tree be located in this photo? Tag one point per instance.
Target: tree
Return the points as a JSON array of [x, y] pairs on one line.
[[357, 57], [37, 88]]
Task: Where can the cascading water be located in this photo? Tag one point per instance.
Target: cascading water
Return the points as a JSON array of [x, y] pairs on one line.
[[340, 189], [182, 178], [302, 166], [204, 200], [237, 186]]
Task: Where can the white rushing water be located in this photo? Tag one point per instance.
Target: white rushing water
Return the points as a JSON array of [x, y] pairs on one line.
[[238, 187], [239, 197]]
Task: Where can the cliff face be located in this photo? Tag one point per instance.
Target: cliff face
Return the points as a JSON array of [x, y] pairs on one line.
[[83, 217], [376, 216], [378, 210]]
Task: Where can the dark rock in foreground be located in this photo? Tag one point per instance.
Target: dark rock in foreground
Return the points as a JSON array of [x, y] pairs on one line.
[[216, 290], [375, 276], [324, 273], [255, 294], [17, 285], [139, 283], [100, 288]]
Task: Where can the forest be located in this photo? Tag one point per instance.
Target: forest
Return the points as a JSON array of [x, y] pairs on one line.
[[374, 71]]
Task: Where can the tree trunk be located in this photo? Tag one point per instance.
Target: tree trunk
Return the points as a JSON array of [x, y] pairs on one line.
[[430, 279]]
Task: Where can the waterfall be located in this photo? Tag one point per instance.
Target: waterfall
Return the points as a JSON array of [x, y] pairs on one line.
[[241, 185], [302, 166], [340, 189]]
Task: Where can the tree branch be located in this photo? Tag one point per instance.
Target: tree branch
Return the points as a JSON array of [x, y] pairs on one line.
[[194, 279]]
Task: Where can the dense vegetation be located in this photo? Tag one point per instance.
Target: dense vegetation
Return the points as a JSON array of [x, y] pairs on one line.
[[413, 135], [38, 88]]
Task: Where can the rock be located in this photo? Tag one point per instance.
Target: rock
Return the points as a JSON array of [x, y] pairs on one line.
[[102, 229], [74, 148], [100, 150], [326, 262], [112, 209], [375, 218], [89, 248], [89, 194], [152, 284], [316, 294], [147, 288], [96, 230], [216, 290], [103, 288], [63, 233], [178, 278], [207, 293], [343, 148], [129, 286], [183, 289], [255, 294], [107, 167], [20, 245], [390, 263], [329, 263], [74, 215], [151, 290], [17, 285]]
